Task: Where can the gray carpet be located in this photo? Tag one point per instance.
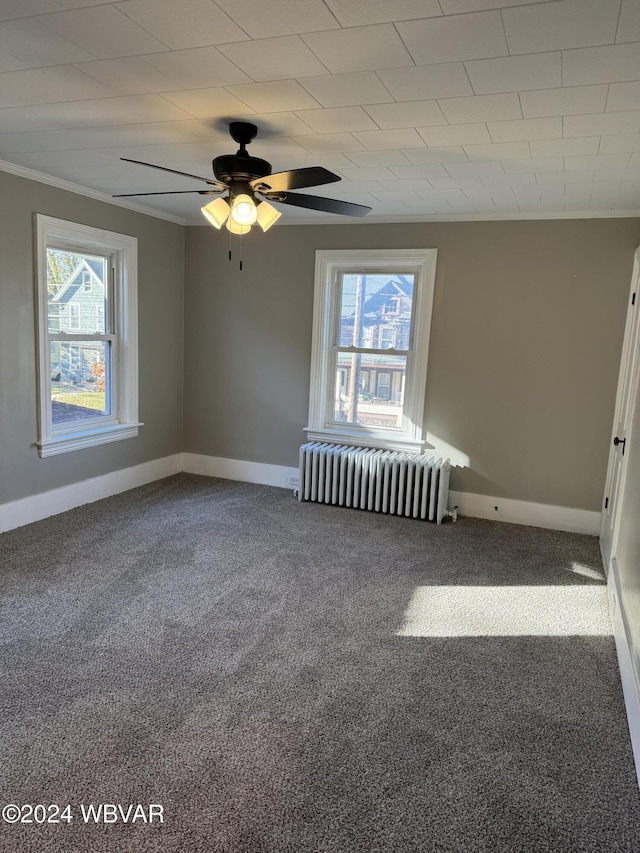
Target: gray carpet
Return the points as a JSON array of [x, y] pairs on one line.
[[257, 667]]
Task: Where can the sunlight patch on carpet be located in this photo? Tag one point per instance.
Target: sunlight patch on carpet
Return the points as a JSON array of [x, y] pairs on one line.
[[507, 611]]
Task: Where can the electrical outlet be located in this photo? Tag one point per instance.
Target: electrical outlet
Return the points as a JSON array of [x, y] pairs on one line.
[[294, 481]]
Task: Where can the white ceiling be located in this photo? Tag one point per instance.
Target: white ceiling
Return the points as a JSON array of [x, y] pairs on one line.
[[425, 108]]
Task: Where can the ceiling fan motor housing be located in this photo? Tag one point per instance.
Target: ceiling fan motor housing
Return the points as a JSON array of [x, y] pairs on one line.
[[233, 167]]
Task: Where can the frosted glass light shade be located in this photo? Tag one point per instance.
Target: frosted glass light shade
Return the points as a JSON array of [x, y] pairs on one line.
[[237, 229], [216, 212], [267, 215], [243, 210]]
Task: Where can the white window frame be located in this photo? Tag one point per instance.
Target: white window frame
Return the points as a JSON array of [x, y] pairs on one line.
[[87, 281], [121, 251], [330, 266]]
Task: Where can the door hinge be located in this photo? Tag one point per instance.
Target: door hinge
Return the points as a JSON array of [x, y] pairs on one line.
[[606, 503]]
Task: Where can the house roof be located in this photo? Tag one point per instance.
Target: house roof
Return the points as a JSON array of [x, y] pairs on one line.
[[94, 267]]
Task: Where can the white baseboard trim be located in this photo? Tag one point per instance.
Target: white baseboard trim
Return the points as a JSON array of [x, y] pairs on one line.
[[238, 469], [628, 675], [526, 512], [34, 508]]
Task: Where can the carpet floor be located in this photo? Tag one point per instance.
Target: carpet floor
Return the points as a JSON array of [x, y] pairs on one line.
[[295, 678]]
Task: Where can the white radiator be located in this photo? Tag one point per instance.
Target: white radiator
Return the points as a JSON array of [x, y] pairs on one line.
[[378, 480]]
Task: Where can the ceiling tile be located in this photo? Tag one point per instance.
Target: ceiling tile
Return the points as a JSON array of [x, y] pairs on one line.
[[396, 195], [525, 129], [407, 185], [535, 164], [279, 17], [448, 80], [378, 158], [464, 134], [128, 76], [514, 181], [620, 143], [374, 140], [47, 86], [463, 183], [208, 103], [408, 114], [572, 100], [321, 142], [630, 174], [274, 59], [565, 24], [33, 45], [513, 73], [23, 8], [455, 7], [501, 151], [274, 97], [337, 119], [10, 63], [564, 147], [481, 108], [475, 36], [623, 96], [608, 64], [597, 161], [88, 138], [424, 156], [629, 23], [198, 23], [427, 170], [359, 48], [197, 68], [574, 177], [103, 31], [480, 169], [602, 124], [353, 13], [274, 125], [343, 90], [372, 173]]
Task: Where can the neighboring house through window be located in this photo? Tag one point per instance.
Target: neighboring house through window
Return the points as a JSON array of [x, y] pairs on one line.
[[372, 318], [87, 336]]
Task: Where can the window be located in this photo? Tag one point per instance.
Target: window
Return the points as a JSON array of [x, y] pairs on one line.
[[74, 315], [372, 317], [87, 336]]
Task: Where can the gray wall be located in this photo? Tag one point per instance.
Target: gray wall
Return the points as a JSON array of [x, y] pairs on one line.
[[161, 290], [525, 348]]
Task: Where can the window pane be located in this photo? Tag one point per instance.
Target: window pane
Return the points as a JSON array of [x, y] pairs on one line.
[[76, 292], [369, 389], [375, 310], [79, 380]]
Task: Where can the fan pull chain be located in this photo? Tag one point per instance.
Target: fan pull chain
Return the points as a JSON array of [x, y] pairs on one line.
[[229, 245], [240, 252]]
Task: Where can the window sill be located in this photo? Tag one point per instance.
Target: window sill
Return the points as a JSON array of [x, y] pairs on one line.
[[86, 438], [401, 443]]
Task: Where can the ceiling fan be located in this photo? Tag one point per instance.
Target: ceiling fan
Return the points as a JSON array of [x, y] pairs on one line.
[[248, 185]]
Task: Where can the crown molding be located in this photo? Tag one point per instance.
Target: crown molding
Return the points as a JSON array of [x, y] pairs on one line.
[[454, 217], [62, 184]]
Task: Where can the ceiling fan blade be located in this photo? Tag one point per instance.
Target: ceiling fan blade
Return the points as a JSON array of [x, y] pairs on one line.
[[315, 202], [170, 192], [296, 179], [175, 172]]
